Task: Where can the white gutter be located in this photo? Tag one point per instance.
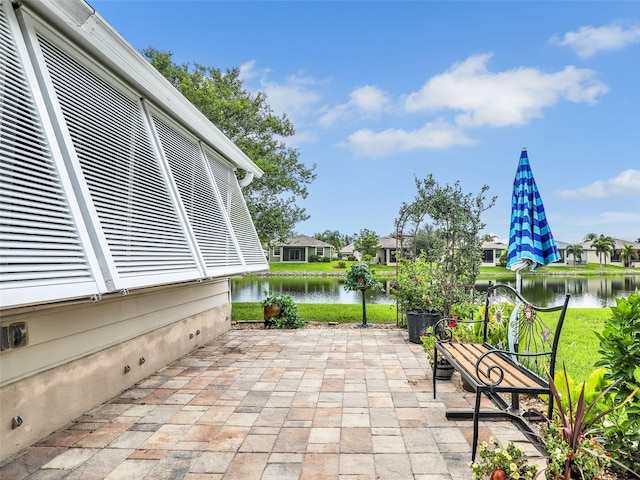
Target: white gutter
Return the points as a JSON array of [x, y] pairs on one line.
[[246, 180], [78, 20]]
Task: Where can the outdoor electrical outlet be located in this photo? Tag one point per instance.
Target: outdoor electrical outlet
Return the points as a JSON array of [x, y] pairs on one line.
[[15, 335]]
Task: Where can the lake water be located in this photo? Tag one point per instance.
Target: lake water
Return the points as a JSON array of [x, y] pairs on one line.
[[586, 292]]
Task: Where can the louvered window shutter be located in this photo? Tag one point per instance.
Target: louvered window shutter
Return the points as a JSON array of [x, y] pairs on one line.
[[42, 255], [238, 212], [147, 244], [200, 200]]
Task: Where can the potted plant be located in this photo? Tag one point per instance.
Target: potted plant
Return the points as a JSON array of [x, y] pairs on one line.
[[443, 369], [446, 269], [280, 310], [360, 277], [418, 295], [508, 463]]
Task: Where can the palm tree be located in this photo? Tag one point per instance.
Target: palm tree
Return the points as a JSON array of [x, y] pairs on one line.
[[590, 236], [603, 245], [628, 253], [575, 251]]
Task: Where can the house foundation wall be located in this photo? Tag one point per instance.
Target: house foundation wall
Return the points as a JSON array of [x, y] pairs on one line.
[[79, 356]]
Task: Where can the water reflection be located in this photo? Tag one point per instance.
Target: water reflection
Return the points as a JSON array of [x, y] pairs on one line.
[[586, 292]]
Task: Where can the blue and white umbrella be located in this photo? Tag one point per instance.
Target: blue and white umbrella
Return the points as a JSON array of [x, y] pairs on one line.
[[531, 243]]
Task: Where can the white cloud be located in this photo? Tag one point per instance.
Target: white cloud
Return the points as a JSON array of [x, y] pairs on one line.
[[248, 71], [588, 41], [439, 134], [296, 97], [512, 97], [626, 183], [368, 100]]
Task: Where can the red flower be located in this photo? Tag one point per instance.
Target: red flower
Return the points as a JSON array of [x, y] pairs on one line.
[[570, 456], [453, 322]]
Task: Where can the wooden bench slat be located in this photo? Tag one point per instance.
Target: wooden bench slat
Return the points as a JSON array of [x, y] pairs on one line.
[[467, 355]]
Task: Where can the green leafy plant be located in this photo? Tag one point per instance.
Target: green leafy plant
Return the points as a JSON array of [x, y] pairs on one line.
[[289, 318], [575, 451], [342, 264], [620, 356], [499, 463], [360, 277], [428, 343], [415, 289]]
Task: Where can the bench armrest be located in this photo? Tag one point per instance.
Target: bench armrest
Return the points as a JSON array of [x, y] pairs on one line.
[[483, 373]]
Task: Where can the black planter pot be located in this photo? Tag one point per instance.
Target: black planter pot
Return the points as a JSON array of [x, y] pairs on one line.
[[419, 322], [444, 371]]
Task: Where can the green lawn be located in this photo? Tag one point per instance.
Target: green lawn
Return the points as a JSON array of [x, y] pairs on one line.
[[578, 344], [319, 312], [322, 267], [383, 270], [578, 348]]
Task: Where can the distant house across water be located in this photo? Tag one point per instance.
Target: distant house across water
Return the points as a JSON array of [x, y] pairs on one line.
[[301, 248]]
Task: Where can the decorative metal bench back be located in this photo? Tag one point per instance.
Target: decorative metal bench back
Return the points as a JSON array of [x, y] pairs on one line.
[[535, 338]]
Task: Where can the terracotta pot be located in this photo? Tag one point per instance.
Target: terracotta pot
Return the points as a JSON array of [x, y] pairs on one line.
[[271, 312], [499, 475]]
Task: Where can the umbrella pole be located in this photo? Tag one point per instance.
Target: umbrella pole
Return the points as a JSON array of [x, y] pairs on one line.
[[513, 337]]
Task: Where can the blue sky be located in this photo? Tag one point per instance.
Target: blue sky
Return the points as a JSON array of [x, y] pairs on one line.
[[380, 92]]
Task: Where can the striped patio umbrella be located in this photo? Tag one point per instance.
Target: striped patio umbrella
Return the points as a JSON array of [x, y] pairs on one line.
[[531, 242]]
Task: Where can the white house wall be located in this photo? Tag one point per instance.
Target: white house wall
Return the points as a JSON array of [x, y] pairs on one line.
[[77, 353]]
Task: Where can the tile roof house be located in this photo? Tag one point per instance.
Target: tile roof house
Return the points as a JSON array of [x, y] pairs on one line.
[[590, 255], [386, 254], [122, 218], [300, 249]]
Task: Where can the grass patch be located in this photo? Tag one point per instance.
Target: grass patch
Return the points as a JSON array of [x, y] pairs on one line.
[[323, 267], [320, 312], [496, 272], [578, 348]]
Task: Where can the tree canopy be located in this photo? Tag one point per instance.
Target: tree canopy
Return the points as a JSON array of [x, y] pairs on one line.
[[335, 238], [249, 121], [367, 242], [455, 219]]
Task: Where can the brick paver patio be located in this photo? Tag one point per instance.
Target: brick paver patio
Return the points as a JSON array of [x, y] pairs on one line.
[[267, 404]]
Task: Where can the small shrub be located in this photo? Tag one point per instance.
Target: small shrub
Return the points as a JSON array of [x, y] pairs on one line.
[[351, 258], [314, 258], [326, 259], [359, 277], [342, 264], [289, 316], [620, 351]]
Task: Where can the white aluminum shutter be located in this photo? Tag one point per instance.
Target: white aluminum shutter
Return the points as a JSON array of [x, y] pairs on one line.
[[238, 213], [42, 257], [200, 200], [147, 244]]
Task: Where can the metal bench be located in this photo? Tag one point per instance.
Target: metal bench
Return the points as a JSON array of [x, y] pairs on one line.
[[522, 368]]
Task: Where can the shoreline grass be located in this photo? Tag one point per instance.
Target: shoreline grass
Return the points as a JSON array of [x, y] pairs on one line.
[[331, 268]]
